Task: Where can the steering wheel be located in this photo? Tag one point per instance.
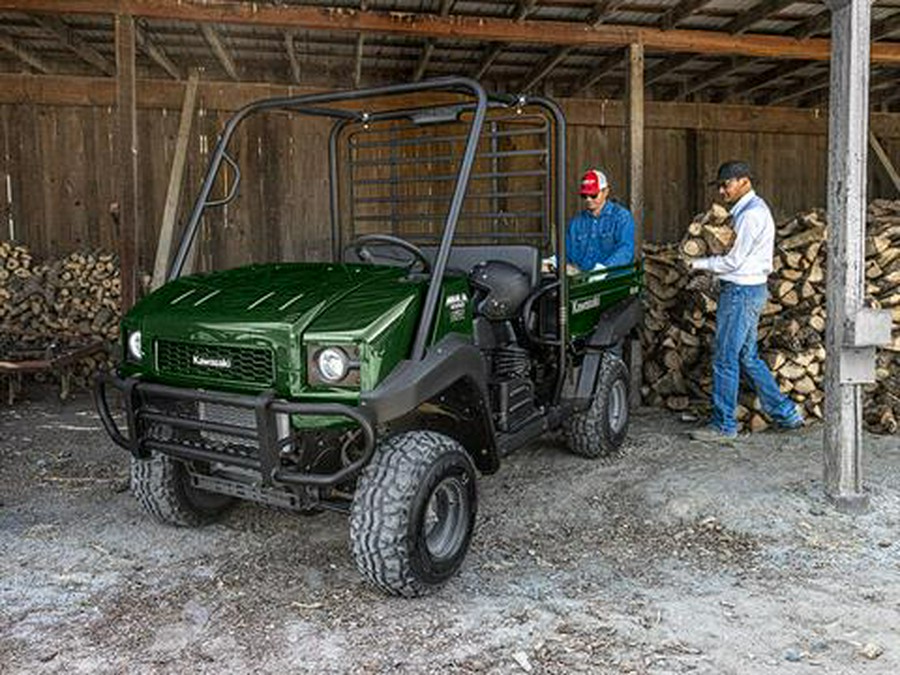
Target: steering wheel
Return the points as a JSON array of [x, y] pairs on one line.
[[364, 243]]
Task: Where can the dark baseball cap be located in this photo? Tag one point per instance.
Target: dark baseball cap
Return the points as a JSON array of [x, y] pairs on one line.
[[730, 170]]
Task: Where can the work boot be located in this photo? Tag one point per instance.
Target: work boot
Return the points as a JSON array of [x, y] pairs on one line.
[[712, 435]]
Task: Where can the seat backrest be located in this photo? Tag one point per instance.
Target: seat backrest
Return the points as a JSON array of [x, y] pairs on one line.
[[464, 258]]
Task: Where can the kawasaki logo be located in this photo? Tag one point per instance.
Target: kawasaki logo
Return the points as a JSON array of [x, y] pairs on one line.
[[210, 362], [586, 304]]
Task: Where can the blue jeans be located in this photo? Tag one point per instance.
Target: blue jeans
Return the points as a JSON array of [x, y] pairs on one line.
[[737, 320]]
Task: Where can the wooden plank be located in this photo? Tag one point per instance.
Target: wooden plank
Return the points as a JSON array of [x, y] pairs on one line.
[[228, 96], [885, 161], [543, 68], [458, 27], [176, 180], [126, 158]]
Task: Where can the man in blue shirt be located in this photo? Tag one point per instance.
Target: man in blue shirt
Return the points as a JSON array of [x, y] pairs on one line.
[[602, 234]]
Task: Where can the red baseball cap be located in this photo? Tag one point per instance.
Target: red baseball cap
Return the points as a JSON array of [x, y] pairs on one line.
[[592, 182]]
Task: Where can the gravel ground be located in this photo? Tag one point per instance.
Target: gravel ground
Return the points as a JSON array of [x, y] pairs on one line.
[[677, 558]]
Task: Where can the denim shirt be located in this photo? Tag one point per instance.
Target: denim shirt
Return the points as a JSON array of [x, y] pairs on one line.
[[606, 239]]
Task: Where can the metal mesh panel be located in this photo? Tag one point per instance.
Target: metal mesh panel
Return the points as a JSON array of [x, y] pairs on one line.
[[223, 363], [402, 177]]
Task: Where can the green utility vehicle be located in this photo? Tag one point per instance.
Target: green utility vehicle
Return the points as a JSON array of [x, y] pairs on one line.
[[380, 382]]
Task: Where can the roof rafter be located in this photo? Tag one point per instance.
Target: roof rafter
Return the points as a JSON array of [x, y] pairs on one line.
[[56, 27], [542, 69], [15, 48], [428, 49], [668, 65], [766, 78], [885, 27], [745, 20], [811, 84], [680, 12], [146, 43], [813, 25], [598, 72], [488, 59], [215, 43], [523, 9], [602, 10], [706, 79]]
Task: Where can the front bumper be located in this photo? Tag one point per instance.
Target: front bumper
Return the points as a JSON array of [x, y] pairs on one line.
[[266, 459]]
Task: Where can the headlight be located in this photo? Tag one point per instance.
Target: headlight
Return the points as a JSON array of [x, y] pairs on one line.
[[333, 364], [134, 346]]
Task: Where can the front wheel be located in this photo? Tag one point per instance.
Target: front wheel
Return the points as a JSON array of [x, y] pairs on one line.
[[413, 513], [162, 485], [600, 430]]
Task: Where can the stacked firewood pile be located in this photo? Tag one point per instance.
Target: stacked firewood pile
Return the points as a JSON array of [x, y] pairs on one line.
[[679, 325], [50, 306]]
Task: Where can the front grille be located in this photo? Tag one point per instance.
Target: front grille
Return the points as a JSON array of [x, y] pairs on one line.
[[221, 363]]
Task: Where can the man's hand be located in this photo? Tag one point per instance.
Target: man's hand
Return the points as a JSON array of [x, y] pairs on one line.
[[685, 261], [572, 270]]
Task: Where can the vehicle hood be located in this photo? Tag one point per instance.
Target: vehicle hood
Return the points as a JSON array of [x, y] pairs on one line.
[[290, 294]]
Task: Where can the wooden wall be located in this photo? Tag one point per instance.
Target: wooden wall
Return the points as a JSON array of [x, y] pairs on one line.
[[57, 162]]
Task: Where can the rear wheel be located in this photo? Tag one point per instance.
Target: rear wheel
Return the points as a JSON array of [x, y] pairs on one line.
[[600, 430], [413, 513], [162, 486]]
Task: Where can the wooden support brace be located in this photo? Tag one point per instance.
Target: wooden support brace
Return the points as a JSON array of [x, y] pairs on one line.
[[173, 194]]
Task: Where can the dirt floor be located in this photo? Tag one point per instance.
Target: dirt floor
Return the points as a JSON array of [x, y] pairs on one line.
[[677, 558]]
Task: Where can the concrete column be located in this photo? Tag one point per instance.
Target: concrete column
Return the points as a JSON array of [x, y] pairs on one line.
[[847, 146]]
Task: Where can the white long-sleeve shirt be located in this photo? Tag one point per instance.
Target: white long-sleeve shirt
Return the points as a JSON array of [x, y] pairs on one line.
[[749, 262]]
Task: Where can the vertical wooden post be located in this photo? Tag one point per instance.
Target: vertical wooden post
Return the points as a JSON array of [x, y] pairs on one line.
[[176, 176], [847, 145], [126, 157], [634, 90]]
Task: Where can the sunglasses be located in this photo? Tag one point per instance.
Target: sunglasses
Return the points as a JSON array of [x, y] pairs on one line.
[[593, 196]]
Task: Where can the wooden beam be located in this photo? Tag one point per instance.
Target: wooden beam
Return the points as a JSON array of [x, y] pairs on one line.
[[458, 27], [597, 73], [215, 43], [541, 71], [292, 55], [634, 151], [488, 59], [745, 20], [228, 96], [176, 179], [15, 48], [672, 17], [427, 51], [885, 160], [127, 158], [155, 52], [708, 78], [55, 26], [357, 59]]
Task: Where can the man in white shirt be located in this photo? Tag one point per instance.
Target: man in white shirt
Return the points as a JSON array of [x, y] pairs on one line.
[[743, 273]]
